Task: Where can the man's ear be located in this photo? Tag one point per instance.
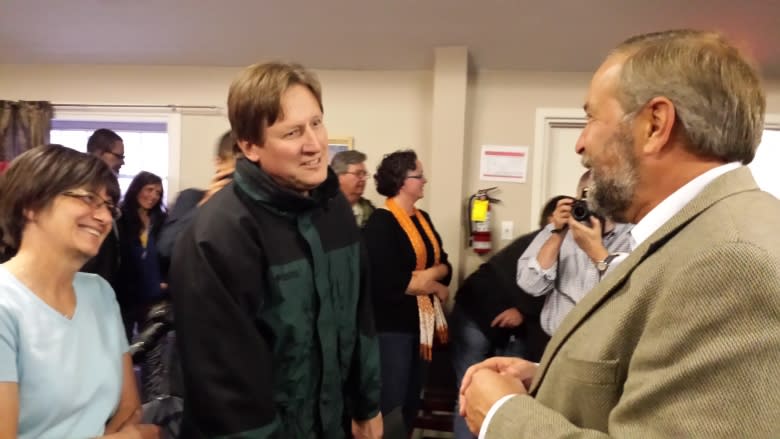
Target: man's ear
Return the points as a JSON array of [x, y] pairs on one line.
[[29, 215], [659, 118], [250, 150]]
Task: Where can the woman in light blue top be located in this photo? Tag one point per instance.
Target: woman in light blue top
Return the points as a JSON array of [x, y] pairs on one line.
[[64, 367]]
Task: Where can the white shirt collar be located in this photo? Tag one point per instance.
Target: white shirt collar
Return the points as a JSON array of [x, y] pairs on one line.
[[675, 202]]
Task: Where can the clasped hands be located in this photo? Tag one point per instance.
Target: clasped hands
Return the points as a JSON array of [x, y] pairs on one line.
[[426, 281], [486, 382]]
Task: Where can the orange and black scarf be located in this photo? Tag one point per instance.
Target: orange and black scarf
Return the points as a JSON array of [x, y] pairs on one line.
[[428, 306]]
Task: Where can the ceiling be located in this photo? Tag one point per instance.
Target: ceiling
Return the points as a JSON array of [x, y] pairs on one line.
[[534, 35]]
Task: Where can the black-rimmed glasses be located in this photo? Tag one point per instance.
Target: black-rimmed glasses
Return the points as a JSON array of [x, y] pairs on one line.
[[417, 177], [119, 156], [359, 174], [95, 201]]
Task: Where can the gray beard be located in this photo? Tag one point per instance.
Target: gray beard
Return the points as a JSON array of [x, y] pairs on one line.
[[611, 195], [611, 199]]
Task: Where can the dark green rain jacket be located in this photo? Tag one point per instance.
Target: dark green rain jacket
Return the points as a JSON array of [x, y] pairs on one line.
[[273, 315]]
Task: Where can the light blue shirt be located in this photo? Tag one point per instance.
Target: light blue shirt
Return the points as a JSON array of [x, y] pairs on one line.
[[69, 371], [570, 278]]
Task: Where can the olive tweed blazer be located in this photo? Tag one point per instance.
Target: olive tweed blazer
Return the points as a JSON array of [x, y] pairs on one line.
[[681, 340]]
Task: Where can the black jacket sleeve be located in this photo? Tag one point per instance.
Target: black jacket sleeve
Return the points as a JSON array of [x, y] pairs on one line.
[[227, 365], [180, 217], [492, 288]]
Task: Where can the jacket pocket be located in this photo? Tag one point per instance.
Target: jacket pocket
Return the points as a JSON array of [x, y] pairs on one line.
[[600, 372]]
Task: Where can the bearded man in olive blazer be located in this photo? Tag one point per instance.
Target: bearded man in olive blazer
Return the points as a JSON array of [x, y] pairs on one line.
[[682, 339]]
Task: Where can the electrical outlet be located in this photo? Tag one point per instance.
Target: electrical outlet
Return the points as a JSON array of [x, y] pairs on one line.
[[507, 230]]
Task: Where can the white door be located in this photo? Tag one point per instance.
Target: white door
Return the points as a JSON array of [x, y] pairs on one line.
[[556, 165], [563, 163]]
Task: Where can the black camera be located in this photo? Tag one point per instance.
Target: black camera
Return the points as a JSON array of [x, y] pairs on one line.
[[579, 208]]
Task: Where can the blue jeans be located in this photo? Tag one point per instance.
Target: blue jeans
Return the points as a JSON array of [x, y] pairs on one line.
[[469, 346], [403, 372]]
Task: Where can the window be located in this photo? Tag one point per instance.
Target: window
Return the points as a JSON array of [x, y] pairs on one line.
[[146, 145]]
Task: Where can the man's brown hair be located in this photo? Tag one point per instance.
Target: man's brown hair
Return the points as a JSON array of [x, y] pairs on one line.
[[254, 99]]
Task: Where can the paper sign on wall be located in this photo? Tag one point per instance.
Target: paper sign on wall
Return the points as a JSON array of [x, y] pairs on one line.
[[503, 163]]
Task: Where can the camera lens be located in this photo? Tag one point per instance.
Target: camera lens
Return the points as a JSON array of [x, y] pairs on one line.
[[580, 211]]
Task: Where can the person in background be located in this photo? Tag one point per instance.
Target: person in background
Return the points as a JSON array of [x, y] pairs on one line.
[[140, 281], [409, 277], [64, 367], [350, 166], [185, 208], [567, 258], [270, 289], [683, 338], [493, 316], [109, 147]]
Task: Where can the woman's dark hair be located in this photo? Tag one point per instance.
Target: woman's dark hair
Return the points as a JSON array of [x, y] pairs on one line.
[[38, 176], [130, 218], [549, 208], [391, 172]]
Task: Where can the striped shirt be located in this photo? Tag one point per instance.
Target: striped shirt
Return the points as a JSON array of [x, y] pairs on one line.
[[567, 281]]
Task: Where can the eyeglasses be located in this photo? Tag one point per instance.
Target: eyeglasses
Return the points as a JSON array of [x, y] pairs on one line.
[[119, 156], [359, 174], [95, 201], [418, 177]]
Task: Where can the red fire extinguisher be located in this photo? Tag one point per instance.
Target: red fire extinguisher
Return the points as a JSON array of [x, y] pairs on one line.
[[480, 239]]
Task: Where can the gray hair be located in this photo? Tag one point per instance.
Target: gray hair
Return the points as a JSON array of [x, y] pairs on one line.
[[717, 94], [343, 159]]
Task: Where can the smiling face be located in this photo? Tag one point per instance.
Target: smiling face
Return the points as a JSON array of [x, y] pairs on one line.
[[149, 196], [295, 148], [607, 146], [71, 224]]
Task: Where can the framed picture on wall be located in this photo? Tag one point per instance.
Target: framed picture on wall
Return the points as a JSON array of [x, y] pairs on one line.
[[338, 144]]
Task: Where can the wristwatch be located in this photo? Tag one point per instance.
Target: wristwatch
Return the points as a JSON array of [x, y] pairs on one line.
[[603, 264]]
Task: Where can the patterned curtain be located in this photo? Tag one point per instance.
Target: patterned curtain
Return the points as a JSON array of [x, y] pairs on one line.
[[6, 113], [23, 125]]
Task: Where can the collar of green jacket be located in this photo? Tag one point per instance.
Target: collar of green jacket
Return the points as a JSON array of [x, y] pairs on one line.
[[254, 182]]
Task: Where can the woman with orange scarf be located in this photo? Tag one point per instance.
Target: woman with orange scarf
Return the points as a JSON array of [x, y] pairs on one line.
[[409, 278]]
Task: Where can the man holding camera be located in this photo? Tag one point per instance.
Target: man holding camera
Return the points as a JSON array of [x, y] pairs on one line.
[[569, 257]]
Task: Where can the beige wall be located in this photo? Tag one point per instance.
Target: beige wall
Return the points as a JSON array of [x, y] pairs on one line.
[[383, 110], [502, 111]]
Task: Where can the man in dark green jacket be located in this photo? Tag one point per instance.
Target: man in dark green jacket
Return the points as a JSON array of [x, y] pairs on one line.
[[272, 308]]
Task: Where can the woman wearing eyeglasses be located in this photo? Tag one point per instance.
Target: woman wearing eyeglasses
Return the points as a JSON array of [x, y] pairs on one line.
[[64, 367], [409, 278]]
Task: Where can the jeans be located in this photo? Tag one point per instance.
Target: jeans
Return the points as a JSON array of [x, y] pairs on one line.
[[469, 346], [403, 372]]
